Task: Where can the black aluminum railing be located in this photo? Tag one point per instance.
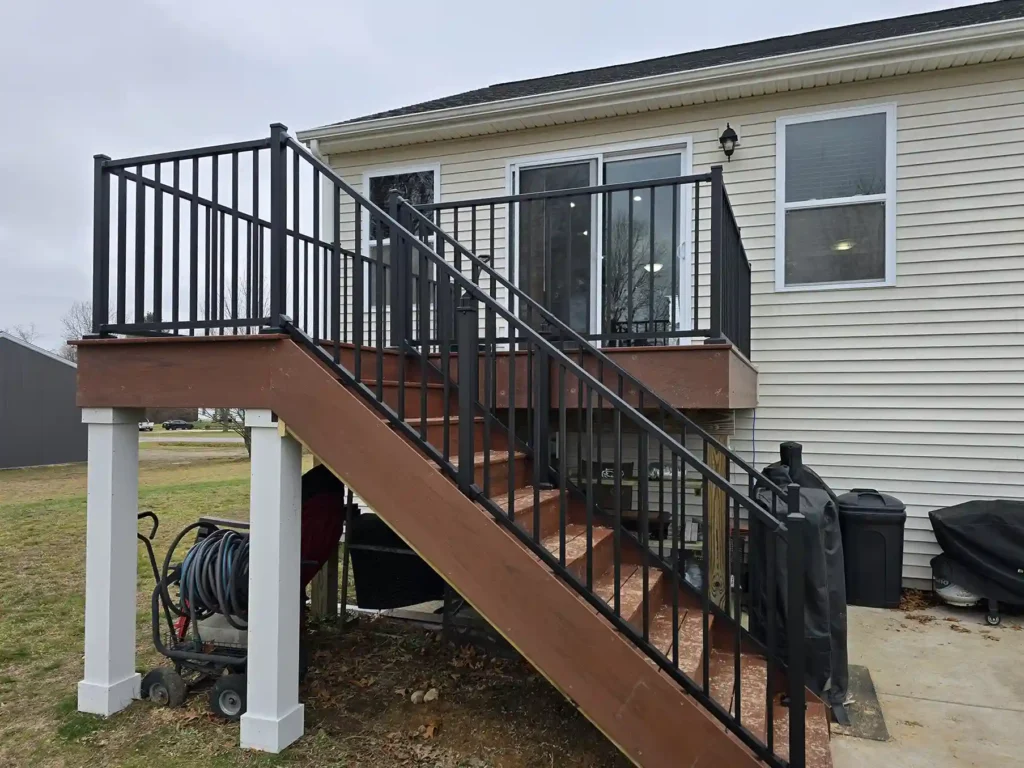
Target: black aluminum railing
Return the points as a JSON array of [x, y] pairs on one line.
[[662, 278], [287, 249]]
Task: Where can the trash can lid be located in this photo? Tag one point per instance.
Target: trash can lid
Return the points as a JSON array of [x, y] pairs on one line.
[[869, 500]]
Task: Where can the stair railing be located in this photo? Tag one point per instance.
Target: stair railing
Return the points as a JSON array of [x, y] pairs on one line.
[[309, 269]]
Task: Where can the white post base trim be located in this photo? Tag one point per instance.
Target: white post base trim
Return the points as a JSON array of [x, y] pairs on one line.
[[268, 734], [99, 699]]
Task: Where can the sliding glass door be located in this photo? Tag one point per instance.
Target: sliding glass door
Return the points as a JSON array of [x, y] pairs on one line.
[[609, 264]]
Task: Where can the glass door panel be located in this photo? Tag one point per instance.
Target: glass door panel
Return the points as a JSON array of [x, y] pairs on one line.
[[641, 267], [555, 243]]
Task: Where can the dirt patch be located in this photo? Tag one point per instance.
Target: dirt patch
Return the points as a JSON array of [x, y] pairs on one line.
[[921, 618], [489, 711]]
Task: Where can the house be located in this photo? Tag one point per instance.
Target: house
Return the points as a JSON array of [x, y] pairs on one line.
[[39, 420], [876, 182], [543, 327]]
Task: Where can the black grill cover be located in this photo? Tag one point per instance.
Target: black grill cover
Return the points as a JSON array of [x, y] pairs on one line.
[[987, 539]]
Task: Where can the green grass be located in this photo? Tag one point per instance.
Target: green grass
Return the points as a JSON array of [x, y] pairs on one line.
[[42, 573]]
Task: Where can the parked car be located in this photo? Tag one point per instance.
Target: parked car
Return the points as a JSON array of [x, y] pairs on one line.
[[145, 426], [173, 424]]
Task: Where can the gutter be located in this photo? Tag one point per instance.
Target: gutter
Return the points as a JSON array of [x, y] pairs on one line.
[[421, 126]]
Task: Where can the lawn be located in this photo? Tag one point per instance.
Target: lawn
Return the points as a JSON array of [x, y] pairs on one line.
[[491, 712]]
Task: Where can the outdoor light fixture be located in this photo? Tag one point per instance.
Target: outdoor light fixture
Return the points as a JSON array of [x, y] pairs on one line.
[[728, 140], [637, 198], [656, 267], [843, 245], [572, 205]]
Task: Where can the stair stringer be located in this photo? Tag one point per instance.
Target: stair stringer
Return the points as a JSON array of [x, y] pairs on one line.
[[638, 708]]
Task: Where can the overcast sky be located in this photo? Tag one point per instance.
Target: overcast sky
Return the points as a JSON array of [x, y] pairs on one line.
[[126, 77]]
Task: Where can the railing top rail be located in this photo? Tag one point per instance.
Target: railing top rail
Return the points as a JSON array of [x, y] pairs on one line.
[[579, 338], [595, 384], [574, 192], [187, 154]]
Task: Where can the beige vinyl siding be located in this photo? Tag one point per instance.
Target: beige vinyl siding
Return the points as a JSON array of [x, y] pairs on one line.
[[916, 389]]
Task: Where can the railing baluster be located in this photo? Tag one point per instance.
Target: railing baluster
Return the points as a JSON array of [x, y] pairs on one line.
[[563, 465], [590, 485], [158, 247], [140, 247], [645, 524], [771, 539], [469, 329], [695, 267], [337, 302], [678, 520], [175, 242], [705, 588], [737, 571], [122, 248], [234, 237], [617, 532], [316, 256], [193, 266]]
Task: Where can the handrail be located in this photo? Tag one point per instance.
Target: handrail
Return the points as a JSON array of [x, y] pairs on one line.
[[536, 337], [591, 349]]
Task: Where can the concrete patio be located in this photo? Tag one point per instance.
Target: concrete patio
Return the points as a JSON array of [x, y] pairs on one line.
[[951, 689]]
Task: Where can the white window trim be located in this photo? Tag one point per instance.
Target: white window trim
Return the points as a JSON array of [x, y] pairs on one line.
[[390, 170], [889, 197], [611, 152]]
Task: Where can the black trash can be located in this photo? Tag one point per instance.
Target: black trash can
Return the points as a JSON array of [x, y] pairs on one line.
[[872, 529]]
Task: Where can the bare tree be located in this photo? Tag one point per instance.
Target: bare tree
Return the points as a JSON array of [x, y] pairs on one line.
[[75, 324], [27, 333], [632, 292]]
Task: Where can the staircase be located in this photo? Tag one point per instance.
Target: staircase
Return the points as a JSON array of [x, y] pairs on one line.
[[481, 442]]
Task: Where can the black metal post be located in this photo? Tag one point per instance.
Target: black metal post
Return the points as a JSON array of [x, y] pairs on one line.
[[717, 256], [792, 455], [796, 542], [278, 221], [101, 244], [467, 334]]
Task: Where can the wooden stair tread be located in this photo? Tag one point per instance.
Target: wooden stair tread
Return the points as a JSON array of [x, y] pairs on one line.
[[753, 688], [497, 457], [435, 420], [631, 590], [523, 498], [575, 541], [691, 634], [816, 734]]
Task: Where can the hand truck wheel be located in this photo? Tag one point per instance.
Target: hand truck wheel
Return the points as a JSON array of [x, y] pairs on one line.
[[164, 687], [227, 697]]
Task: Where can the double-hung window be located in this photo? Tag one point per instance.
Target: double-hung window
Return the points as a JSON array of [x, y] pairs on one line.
[[417, 186], [835, 199]]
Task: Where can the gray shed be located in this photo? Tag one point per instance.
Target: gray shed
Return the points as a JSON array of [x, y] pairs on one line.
[[39, 420]]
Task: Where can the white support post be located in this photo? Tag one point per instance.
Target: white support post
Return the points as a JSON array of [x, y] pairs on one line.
[[274, 717], [110, 681]]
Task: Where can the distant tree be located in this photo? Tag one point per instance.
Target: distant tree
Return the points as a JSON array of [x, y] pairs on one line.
[[75, 324], [27, 333]]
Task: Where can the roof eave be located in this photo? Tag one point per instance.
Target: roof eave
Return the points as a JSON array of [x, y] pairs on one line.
[[470, 120]]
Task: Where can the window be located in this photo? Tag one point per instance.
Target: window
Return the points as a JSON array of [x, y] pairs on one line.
[[835, 200], [415, 185]]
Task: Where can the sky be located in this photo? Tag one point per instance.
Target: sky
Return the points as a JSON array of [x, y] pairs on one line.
[[128, 77]]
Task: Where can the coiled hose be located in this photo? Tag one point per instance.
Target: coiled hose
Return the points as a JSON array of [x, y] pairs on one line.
[[213, 577]]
